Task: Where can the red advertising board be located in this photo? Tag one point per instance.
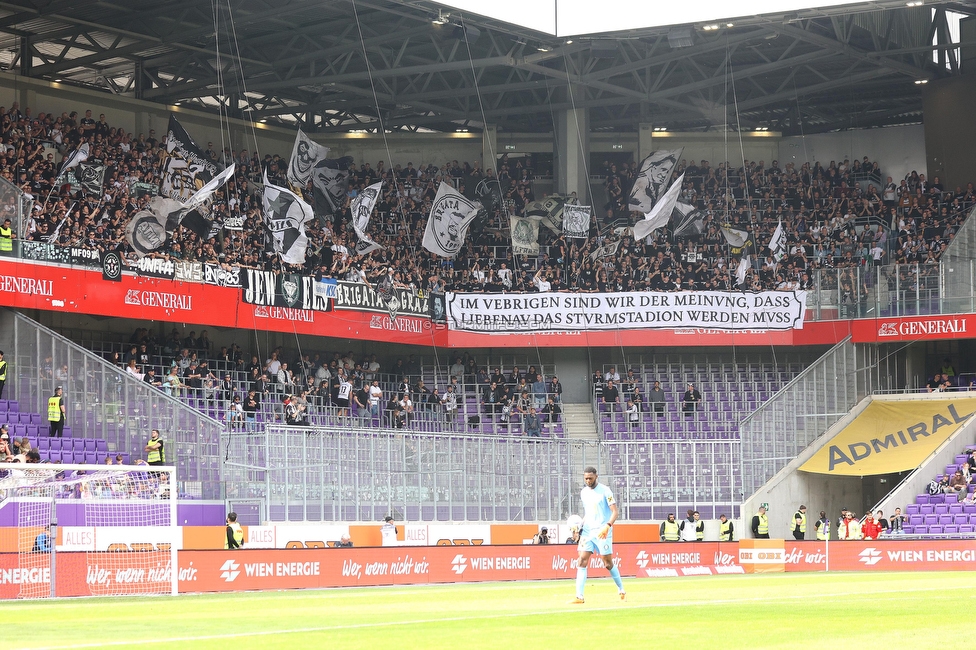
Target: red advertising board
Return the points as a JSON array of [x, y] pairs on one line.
[[914, 328], [65, 289], [85, 574]]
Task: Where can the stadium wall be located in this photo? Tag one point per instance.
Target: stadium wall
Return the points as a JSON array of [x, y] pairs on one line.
[[790, 487]]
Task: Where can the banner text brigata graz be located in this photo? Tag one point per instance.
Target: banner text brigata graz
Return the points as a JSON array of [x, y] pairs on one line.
[[555, 312]]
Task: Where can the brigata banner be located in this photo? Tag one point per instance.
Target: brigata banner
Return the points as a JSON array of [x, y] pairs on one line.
[[891, 436], [575, 312]]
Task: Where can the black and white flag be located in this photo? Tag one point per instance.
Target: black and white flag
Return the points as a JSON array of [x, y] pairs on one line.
[[196, 213], [525, 235], [53, 237], [489, 192], [91, 178], [74, 159], [147, 230], [447, 225], [652, 179], [550, 210], [576, 221], [607, 250], [330, 182], [777, 244], [736, 238], [186, 168], [362, 209], [304, 155], [690, 220], [660, 214], [285, 215]]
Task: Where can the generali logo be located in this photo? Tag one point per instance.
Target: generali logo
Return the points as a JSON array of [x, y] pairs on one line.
[[229, 570], [159, 299], [459, 564], [870, 556], [928, 327]]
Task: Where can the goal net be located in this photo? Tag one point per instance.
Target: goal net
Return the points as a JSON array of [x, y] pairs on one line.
[[89, 530]]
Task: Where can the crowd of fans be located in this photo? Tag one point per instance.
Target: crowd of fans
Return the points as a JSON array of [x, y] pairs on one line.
[[237, 386], [839, 216]]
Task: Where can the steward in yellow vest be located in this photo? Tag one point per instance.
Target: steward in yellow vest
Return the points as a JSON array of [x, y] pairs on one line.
[[725, 529], [235, 534], [760, 524], [799, 527], [6, 237], [669, 529], [55, 413], [823, 527]]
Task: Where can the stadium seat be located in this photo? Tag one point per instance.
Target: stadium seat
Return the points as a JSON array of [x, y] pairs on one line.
[[960, 519], [967, 529], [927, 509], [941, 509], [911, 509], [950, 529], [921, 529], [930, 519], [935, 529]]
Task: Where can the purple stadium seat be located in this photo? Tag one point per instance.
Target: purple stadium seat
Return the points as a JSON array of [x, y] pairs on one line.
[[950, 529], [955, 508], [930, 519], [945, 519], [941, 509], [926, 509], [920, 530], [912, 509], [960, 519], [936, 529], [967, 529], [922, 499], [969, 508]]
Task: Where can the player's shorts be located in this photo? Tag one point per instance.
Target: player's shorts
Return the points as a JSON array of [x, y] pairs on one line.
[[596, 545], [342, 403]]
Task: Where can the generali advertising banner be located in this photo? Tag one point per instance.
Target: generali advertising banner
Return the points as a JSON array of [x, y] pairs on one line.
[[890, 437], [914, 328]]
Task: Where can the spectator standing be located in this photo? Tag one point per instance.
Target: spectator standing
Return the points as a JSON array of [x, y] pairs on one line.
[[450, 404], [155, 447], [690, 400], [896, 522], [56, 413], [388, 532], [633, 414], [656, 398], [3, 373], [611, 396], [555, 389], [531, 424], [871, 529], [687, 528]]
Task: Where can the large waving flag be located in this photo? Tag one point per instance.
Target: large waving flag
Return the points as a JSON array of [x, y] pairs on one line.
[[304, 155], [330, 182], [362, 209], [285, 215], [147, 230], [76, 157], [652, 179], [447, 226], [186, 167], [777, 244], [660, 214]]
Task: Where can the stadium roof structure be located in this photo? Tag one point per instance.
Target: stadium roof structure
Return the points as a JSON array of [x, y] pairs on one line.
[[429, 66]]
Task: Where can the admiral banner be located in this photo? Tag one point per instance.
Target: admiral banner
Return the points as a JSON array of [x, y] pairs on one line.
[[890, 437], [559, 312], [361, 297]]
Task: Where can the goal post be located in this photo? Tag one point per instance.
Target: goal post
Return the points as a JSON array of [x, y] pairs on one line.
[[89, 530]]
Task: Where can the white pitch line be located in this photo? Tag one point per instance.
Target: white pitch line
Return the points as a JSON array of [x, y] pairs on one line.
[[455, 619]]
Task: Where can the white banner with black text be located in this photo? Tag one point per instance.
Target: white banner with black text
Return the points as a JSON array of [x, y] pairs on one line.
[[575, 312]]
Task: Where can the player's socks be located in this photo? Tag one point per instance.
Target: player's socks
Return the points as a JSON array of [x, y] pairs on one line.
[[615, 574], [581, 581]]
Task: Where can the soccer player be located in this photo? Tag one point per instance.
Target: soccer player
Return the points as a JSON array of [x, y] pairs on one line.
[[599, 513]]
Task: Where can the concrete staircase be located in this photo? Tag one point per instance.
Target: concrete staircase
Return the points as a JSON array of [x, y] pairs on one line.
[[579, 423]]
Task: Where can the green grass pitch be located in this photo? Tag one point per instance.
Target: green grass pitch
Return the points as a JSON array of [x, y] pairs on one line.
[[799, 610]]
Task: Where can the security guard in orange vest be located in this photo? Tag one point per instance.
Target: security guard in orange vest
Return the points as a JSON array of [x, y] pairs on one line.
[[56, 413], [669, 529]]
